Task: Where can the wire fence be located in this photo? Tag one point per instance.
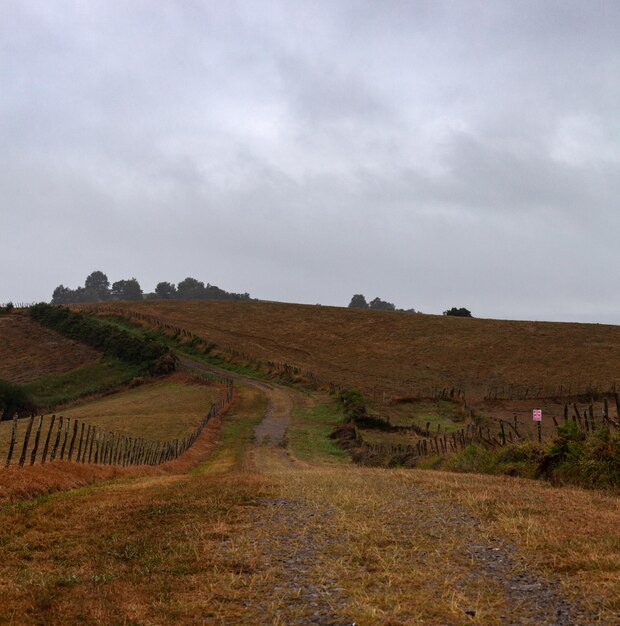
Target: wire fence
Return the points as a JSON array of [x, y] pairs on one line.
[[45, 439]]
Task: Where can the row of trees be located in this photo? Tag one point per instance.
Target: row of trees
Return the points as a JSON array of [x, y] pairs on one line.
[[97, 288], [358, 301]]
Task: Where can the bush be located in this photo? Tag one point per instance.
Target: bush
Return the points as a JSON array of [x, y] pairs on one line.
[[454, 312], [7, 308], [353, 403], [13, 399], [591, 460]]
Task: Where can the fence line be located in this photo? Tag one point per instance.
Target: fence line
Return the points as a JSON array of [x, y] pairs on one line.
[[18, 305], [566, 390], [166, 328], [510, 431], [100, 447]]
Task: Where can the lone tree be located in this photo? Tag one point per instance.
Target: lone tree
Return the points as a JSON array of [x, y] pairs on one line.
[[358, 302], [462, 312]]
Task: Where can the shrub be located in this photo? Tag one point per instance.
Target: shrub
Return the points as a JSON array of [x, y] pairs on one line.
[[13, 399], [353, 403], [462, 312]]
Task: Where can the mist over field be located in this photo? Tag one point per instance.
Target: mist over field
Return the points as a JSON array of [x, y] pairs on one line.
[[434, 154]]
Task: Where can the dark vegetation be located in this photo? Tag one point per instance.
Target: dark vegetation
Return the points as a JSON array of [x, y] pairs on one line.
[[127, 356], [588, 459], [14, 399], [358, 301], [148, 353], [106, 376], [454, 312], [97, 289], [7, 308], [584, 453]]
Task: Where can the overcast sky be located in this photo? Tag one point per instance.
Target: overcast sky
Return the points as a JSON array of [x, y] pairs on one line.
[[432, 153]]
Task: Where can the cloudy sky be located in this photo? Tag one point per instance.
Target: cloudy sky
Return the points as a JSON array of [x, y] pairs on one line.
[[433, 153]]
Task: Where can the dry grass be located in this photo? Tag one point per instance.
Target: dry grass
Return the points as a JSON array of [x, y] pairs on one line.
[[224, 546], [158, 411], [29, 351], [377, 547], [399, 352], [568, 532]]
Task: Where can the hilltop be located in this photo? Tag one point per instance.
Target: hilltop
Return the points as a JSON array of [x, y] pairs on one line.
[[399, 353]]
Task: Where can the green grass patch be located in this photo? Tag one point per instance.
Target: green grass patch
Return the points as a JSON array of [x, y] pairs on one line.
[[237, 432], [308, 434], [108, 374], [446, 415], [186, 347]]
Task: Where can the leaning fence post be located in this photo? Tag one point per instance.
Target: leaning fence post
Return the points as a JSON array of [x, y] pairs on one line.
[[72, 444], [96, 459], [12, 444], [22, 458], [83, 459], [57, 440], [90, 447], [47, 440], [64, 439], [37, 437]]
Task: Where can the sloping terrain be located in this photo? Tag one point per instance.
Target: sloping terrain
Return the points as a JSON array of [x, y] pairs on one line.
[[31, 352], [255, 536], [388, 354], [265, 521], [159, 411]]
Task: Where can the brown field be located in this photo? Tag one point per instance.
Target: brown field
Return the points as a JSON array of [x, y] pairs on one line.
[[159, 411], [392, 354], [29, 351]]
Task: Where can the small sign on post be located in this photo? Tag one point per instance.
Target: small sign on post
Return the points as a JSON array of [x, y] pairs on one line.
[[537, 417]]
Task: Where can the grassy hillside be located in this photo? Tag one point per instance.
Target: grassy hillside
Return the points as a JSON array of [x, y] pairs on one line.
[[388, 354], [31, 352], [158, 411]]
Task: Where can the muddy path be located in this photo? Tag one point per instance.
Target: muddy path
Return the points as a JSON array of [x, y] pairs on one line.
[[270, 435]]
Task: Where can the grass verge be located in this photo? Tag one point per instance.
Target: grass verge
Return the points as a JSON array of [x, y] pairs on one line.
[[108, 374], [310, 429], [237, 432]]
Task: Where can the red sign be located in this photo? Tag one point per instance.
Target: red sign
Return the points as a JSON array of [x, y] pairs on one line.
[[537, 415]]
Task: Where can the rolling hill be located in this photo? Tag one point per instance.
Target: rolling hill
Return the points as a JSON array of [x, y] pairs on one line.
[[399, 353]]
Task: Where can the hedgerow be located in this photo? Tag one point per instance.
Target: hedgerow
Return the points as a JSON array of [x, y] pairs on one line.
[[146, 352]]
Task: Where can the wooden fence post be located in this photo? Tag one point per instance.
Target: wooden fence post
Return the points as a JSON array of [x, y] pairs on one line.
[[90, 447], [22, 458], [85, 444], [47, 440], [61, 420], [12, 443], [64, 439], [72, 444], [37, 437]]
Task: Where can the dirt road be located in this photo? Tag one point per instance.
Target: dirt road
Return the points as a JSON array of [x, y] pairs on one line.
[[256, 536]]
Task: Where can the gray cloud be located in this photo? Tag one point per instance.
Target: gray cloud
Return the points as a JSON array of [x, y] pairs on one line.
[[432, 153]]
